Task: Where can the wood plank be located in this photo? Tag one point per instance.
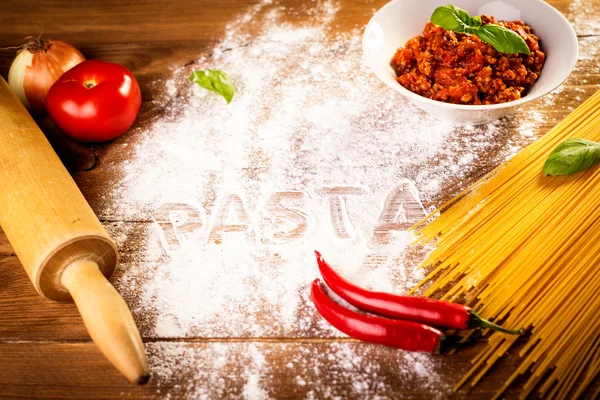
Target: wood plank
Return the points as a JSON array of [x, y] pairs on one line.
[[68, 371], [146, 21], [282, 370], [231, 369]]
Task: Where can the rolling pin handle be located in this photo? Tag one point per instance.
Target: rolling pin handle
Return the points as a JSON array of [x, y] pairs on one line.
[[107, 319]]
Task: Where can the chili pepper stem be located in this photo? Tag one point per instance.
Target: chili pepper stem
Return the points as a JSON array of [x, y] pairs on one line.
[[484, 323], [441, 344]]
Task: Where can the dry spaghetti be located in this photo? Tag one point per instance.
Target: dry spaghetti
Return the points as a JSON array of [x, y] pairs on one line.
[[524, 249]]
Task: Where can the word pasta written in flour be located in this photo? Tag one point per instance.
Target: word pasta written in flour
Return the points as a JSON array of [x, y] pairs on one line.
[[288, 215]]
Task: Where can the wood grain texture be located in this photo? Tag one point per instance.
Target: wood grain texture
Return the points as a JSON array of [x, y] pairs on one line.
[[45, 351], [38, 370]]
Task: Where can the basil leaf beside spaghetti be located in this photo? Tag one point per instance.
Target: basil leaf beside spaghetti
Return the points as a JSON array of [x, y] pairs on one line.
[[572, 156], [216, 81], [502, 39]]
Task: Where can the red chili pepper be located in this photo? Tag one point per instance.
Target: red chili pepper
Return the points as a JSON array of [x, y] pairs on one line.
[[432, 312], [405, 335]]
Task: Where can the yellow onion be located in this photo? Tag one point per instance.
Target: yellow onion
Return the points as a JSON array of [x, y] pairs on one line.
[[39, 63]]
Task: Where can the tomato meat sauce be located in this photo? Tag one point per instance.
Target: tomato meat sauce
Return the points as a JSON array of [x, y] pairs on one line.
[[459, 68]]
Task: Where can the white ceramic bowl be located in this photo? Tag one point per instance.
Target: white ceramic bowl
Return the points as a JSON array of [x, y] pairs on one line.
[[399, 20]]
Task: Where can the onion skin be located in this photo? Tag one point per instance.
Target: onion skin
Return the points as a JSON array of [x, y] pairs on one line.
[[37, 66]]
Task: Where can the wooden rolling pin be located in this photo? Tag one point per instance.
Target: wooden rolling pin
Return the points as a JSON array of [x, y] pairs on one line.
[[58, 239]]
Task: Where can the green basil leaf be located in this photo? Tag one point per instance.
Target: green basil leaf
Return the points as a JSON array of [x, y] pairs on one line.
[[572, 156], [216, 81], [451, 18], [475, 22], [502, 39]]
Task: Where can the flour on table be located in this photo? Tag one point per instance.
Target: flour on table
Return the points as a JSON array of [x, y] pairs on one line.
[[313, 153], [580, 14], [318, 371]]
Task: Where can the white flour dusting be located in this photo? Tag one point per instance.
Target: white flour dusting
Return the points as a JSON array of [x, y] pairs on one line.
[[317, 371], [313, 153], [583, 16]]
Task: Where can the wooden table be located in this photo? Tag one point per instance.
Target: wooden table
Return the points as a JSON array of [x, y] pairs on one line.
[[45, 351]]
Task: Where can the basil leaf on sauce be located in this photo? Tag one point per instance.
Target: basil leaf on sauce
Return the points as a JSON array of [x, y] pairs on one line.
[[572, 156], [458, 20], [216, 81], [451, 18], [502, 39], [476, 21]]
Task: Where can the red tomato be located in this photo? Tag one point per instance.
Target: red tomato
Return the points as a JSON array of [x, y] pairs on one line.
[[94, 101]]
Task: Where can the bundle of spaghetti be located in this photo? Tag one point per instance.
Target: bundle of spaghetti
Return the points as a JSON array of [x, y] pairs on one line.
[[524, 250]]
